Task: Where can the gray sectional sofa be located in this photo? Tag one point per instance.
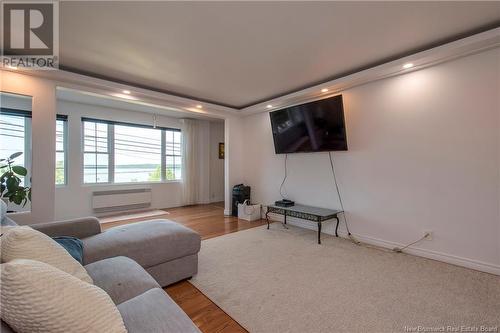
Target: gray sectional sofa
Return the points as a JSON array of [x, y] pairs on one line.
[[131, 263], [165, 249]]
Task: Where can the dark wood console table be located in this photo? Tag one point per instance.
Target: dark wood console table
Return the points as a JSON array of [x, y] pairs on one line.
[[309, 213]]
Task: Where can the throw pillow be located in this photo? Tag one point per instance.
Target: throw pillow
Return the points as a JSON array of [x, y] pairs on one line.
[[27, 243], [73, 245], [37, 297]]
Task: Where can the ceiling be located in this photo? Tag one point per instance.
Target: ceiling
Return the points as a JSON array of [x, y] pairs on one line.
[[240, 53]]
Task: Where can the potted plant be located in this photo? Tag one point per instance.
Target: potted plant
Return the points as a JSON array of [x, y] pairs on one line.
[[11, 189]]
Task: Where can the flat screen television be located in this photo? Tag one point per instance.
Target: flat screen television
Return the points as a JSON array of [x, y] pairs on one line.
[[311, 127]]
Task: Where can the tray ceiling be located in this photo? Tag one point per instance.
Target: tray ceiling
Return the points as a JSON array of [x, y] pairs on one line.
[[241, 53]]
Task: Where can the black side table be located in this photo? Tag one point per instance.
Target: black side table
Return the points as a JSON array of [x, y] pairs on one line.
[[309, 213]]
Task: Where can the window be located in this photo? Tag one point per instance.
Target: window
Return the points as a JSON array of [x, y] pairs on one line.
[[173, 155], [61, 133], [117, 152], [95, 152], [137, 154], [15, 136]]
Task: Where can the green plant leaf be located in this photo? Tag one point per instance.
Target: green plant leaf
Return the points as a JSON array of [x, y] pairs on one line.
[[20, 170], [12, 184], [4, 176], [17, 199], [13, 156]]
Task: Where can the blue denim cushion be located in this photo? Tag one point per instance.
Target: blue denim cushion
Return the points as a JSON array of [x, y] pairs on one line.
[[73, 245]]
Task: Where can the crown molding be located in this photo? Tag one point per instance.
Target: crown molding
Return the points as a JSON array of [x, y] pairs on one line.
[[88, 85], [463, 47], [97, 86]]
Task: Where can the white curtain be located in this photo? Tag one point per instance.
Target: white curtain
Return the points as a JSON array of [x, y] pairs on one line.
[[190, 176]]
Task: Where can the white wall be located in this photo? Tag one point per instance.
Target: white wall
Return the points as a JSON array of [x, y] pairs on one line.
[[43, 91], [203, 185], [216, 164], [424, 154], [74, 199], [235, 152]]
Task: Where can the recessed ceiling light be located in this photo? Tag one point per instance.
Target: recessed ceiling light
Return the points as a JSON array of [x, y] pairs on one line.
[[269, 106], [324, 90], [126, 92], [408, 65], [199, 106], [125, 96]]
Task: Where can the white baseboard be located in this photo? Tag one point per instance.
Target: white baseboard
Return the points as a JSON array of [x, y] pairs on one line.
[[430, 254], [203, 202]]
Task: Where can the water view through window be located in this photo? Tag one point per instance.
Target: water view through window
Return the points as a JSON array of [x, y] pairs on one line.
[[95, 153], [137, 154], [122, 153], [173, 155], [15, 131], [60, 152], [15, 140]]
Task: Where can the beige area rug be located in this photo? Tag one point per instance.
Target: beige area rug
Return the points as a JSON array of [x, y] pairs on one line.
[[281, 280], [129, 216]]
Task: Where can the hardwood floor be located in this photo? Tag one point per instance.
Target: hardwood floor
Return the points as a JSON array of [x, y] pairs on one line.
[[209, 221], [202, 311]]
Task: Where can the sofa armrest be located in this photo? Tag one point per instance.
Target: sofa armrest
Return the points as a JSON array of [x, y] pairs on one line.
[[80, 228]]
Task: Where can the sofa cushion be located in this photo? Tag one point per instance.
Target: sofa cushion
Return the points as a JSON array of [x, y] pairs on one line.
[[149, 243], [121, 277], [174, 270], [3, 211], [81, 227], [37, 297], [155, 311], [27, 243]]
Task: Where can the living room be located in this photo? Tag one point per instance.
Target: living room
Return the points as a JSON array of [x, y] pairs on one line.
[[129, 142]]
